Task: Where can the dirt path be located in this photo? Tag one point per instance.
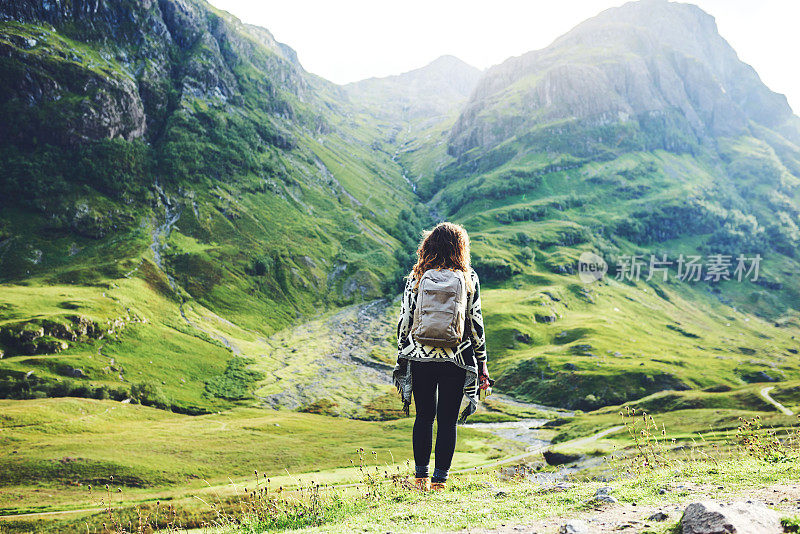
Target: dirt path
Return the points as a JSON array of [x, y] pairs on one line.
[[629, 517], [46, 514], [765, 394]]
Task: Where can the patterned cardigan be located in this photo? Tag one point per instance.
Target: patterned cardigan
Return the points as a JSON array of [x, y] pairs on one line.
[[468, 355]]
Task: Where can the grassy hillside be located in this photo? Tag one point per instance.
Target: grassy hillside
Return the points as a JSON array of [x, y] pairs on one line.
[[204, 172], [557, 340], [551, 158], [201, 246], [231, 170]]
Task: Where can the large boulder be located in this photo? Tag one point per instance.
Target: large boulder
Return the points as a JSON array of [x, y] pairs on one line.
[[709, 517], [560, 458]]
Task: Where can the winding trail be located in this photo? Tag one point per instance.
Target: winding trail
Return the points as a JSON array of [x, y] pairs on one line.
[[56, 512], [766, 396]]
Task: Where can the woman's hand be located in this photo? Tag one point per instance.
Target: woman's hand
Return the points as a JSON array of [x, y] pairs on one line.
[[483, 376]]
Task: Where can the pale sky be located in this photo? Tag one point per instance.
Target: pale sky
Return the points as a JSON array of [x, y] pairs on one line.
[[348, 40]]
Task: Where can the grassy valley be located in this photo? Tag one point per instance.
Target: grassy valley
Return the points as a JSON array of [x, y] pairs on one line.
[[539, 178], [202, 245]]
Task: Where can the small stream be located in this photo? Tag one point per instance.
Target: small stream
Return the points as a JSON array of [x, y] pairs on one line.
[[172, 213], [403, 170], [529, 432], [525, 431], [160, 235]]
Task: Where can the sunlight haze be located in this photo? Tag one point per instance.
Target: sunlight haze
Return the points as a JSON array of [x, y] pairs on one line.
[[351, 40]]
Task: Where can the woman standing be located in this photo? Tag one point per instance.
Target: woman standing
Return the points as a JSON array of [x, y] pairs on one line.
[[441, 347]]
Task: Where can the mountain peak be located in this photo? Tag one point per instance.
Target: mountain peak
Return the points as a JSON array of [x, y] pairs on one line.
[[450, 60], [444, 62], [434, 89], [644, 57], [683, 27]]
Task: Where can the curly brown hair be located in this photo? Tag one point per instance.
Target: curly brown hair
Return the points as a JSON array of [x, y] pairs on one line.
[[444, 247]]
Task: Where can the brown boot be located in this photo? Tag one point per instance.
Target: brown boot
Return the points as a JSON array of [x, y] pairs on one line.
[[438, 486], [422, 484]]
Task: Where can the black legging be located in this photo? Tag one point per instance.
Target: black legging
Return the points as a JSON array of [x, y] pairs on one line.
[[425, 377]]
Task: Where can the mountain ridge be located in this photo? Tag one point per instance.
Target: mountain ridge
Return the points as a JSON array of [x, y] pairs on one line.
[[656, 30], [198, 234], [437, 88], [258, 193]]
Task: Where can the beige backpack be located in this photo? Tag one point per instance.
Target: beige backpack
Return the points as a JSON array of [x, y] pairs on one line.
[[441, 308]]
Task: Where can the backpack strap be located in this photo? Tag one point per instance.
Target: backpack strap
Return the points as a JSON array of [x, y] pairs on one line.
[[467, 327], [467, 317]]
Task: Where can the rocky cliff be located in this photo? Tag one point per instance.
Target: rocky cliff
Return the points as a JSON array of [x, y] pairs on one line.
[[118, 115], [119, 69], [656, 64]]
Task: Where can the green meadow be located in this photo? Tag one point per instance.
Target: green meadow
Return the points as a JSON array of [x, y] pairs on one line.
[[202, 246]]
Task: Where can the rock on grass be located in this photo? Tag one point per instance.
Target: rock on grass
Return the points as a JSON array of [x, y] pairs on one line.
[[575, 526], [709, 517]]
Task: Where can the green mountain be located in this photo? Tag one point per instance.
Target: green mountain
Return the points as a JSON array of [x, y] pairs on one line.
[[194, 225], [639, 132], [658, 66], [241, 141], [161, 159], [432, 91], [190, 219]]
